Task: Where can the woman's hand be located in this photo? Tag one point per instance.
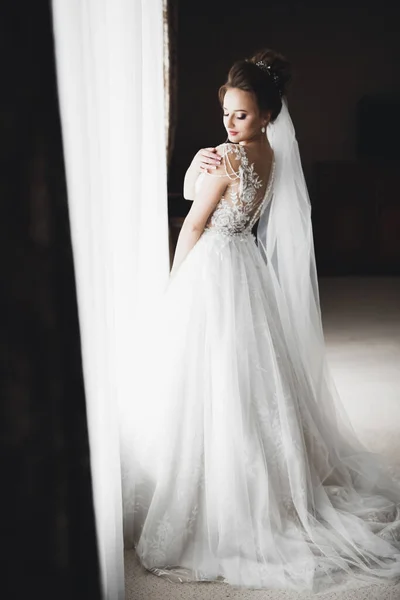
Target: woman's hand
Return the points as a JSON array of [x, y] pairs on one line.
[[205, 160]]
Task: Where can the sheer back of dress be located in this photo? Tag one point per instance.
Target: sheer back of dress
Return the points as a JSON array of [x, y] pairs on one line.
[[249, 189]]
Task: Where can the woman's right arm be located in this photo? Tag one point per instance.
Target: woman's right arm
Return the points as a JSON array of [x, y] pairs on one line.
[[205, 160]]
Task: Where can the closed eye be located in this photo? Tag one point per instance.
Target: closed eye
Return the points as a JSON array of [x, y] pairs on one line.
[[241, 117]]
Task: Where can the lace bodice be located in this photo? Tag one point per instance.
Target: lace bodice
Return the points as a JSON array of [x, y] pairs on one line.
[[246, 195]]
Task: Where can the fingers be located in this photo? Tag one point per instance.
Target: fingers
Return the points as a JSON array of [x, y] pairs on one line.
[[207, 167], [210, 161], [210, 156]]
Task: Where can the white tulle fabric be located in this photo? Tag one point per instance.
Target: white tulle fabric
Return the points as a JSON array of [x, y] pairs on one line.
[[242, 466]]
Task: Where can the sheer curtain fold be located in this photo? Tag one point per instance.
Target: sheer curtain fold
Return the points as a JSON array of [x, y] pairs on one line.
[[109, 58], [170, 72]]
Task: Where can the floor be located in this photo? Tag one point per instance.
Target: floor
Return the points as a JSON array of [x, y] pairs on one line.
[[361, 318]]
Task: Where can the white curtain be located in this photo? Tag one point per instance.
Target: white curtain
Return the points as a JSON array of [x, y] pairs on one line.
[[109, 57]]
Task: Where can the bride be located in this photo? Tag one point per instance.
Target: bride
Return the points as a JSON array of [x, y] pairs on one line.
[[241, 465]]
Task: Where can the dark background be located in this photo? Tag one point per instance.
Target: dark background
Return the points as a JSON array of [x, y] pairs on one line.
[[47, 527], [344, 103], [340, 52]]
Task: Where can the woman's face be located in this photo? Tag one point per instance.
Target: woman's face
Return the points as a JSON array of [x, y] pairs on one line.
[[242, 118]]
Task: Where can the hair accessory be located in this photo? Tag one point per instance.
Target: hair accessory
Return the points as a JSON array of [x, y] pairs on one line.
[[267, 69]]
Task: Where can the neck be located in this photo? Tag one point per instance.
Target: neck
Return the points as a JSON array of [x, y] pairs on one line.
[[258, 139]]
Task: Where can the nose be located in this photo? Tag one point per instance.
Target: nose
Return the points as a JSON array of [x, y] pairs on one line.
[[229, 123]]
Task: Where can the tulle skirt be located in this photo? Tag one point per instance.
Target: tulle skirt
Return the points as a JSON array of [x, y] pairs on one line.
[[231, 470]]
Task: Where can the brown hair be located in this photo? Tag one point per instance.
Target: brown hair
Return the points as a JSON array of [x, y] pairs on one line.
[[267, 87]]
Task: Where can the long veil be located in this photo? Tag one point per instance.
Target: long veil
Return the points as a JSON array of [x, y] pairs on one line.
[[285, 240]]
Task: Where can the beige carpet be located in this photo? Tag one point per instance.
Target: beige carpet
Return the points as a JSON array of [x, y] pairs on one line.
[[142, 585], [362, 330]]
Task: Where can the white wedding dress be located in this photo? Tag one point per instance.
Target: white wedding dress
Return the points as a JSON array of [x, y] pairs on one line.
[[231, 472]]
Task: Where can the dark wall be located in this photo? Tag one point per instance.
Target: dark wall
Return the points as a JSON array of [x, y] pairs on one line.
[[340, 51], [343, 54]]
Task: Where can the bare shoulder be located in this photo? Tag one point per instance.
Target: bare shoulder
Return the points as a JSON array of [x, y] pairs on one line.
[[231, 157], [222, 170], [227, 148]]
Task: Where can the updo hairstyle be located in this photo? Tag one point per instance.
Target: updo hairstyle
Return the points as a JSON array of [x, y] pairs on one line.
[[267, 87]]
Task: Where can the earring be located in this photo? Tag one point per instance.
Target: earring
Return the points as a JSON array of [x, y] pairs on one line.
[[262, 129]]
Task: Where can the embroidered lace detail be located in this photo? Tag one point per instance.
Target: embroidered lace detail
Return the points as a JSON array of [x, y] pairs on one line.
[[241, 206]]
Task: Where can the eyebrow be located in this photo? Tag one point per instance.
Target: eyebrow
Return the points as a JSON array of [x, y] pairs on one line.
[[237, 110]]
